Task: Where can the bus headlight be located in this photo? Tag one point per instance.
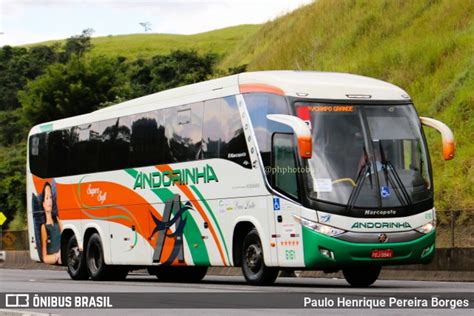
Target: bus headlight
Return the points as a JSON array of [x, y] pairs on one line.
[[428, 227], [318, 227]]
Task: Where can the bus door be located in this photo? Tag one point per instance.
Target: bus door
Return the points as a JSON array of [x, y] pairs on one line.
[[285, 180]]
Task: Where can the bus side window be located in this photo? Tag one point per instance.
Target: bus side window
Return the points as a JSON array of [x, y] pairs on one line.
[[83, 155], [284, 164], [146, 146], [38, 155], [184, 131], [212, 129], [259, 105], [166, 135], [58, 153], [115, 146], [233, 144], [223, 134]]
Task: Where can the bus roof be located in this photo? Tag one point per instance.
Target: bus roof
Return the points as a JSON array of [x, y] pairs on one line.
[[301, 84], [325, 85]]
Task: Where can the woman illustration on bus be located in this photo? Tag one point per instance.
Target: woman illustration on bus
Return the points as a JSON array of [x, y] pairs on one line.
[[51, 229]]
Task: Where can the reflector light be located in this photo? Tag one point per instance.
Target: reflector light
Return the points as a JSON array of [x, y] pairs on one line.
[[358, 96]]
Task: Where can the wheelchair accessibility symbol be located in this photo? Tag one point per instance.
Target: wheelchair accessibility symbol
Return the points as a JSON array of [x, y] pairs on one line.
[[276, 204], [384, 192]]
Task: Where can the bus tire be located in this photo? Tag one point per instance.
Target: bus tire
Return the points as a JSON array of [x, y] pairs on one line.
[[75, 261], [184, 274], [361, 276], [96, 266], [253, 266]]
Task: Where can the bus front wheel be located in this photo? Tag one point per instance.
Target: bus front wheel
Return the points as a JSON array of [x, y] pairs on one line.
[[253, 266], [361, 276], [75, 261]]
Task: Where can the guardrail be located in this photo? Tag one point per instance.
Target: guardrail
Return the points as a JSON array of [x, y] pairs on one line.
[[455, 228]]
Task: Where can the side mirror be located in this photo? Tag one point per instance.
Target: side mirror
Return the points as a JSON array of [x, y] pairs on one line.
[[449, 146], [301, 130]]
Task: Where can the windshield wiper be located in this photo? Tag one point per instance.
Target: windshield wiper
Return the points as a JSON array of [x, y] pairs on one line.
[[364, 170], [396, 183]]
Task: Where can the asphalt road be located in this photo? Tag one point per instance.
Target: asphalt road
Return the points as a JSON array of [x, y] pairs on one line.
[[38, 281]]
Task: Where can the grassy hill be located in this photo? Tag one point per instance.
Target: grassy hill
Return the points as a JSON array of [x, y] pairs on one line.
[[134, 46], [424, 46]]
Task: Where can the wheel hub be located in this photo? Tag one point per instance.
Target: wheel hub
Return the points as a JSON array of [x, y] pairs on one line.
[[253, 256], [95, 258], [74, 258]]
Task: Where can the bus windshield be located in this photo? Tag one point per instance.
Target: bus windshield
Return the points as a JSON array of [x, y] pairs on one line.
[[367, 155]]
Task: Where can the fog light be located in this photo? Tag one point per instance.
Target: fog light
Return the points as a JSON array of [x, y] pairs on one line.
[[327, 253], [426, 251]]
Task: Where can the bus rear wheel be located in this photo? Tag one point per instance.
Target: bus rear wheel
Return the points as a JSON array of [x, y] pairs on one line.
[[96, 266], [75, 261], [361, 276], [190, 274], [253, 266]]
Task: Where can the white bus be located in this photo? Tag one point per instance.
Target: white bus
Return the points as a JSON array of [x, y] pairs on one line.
[[261, 170]]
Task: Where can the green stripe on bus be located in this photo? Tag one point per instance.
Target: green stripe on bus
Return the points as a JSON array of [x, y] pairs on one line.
[[198, 193], [46, 127], [191, 231], [132, 172]]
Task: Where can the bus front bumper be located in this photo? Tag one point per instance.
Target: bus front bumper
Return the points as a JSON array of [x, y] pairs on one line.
[[322, 252]]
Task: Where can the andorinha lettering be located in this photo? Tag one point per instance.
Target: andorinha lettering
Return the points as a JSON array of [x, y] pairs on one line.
[[157, 179], [370, 225]]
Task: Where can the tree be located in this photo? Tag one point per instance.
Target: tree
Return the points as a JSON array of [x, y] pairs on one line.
[[78, 44], [146, 26], [12, 131], [180, 68], [163, 72], [17, 66], [13, 185], [74, 88]]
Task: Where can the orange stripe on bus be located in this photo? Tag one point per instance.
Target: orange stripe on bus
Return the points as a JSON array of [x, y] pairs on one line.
[[260, 87], [184, 188], [71, 206], [123, 201]]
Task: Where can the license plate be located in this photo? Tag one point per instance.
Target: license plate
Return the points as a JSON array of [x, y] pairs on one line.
[[382, 253]]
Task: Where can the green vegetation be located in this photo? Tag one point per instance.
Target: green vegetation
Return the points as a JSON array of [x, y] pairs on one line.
[[145, 46], [13, 185], [423, 46], [73, 88]]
